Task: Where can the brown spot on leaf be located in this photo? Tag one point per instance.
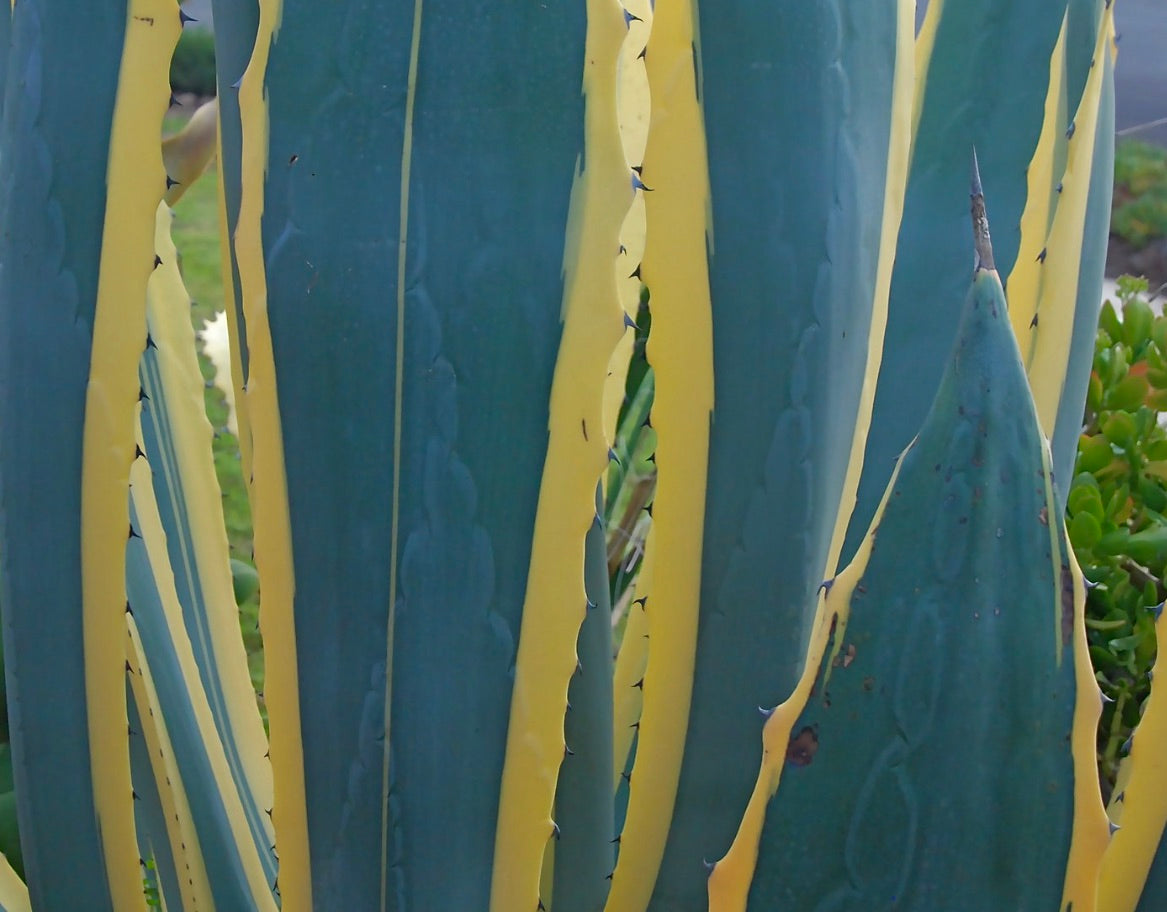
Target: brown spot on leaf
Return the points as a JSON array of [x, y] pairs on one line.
[[803, 747], [845, 656], [1067, 605], [1043, 516]]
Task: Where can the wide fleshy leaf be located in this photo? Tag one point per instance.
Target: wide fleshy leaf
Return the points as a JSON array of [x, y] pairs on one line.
[[176, 439], [804, 196], [411, 405], [584, 850], [80, 187], [939, 751], [976, 89], [1055, 288]]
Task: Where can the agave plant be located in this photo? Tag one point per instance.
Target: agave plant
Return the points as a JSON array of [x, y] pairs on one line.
[[437, 245]]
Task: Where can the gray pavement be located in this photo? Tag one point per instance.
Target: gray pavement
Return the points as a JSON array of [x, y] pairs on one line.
[[1140, 77]]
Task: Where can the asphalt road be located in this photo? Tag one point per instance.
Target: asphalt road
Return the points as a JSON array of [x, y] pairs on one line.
[[1141, 72]]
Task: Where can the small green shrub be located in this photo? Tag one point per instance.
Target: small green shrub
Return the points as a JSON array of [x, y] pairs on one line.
[[192, 68], [1140, 193], [1117, 510]]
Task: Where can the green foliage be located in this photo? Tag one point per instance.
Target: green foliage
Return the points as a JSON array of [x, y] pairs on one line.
[[632, 473], [150, 885], [1140, 192], [1117, 509], [193, 66]]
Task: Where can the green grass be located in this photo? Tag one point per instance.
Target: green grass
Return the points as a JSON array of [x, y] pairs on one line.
[[1139, 215], [196, 235], [192, 68]]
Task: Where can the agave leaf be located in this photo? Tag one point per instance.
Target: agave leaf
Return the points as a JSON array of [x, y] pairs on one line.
[[165, 826], [576, 458], [79, 193], [1055, 293], [150, 818], [268, 485], [584, 849], [938, 752], [412, 457], [1089, 175], [5, 44], [236, 23], [1044, 183], [1134, 868], [680, 351], [187, 153], [13, 892], [176, 438], [1083, 18], [135, 176], [628, 677], [975, 90], [240, 869], [798, 296]]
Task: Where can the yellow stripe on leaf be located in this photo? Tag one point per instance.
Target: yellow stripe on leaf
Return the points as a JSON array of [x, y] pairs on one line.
[[1090, 833], [628, 675], [555, 601], [900, 143], [187, 153], [193, 883], [1061, 257], [13, 892], [632, 112], [1024, 287], [154, 536], [729, 884], [1139, 808], [269, 493], [398, 413], [194, 473], [731, 878], [136, 182], [680, 351]]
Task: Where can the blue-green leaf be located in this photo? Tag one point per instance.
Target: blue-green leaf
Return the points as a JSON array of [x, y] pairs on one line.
[[52, 203], [932, 758], [793, 279], [984, 87], [414, 240], [1091, 271], [584, 849], [236, 22]]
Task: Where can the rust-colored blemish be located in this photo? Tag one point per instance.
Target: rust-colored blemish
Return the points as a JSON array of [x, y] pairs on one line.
[[1043, 516], [845, 657], [803, 747], [1067, 605]]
